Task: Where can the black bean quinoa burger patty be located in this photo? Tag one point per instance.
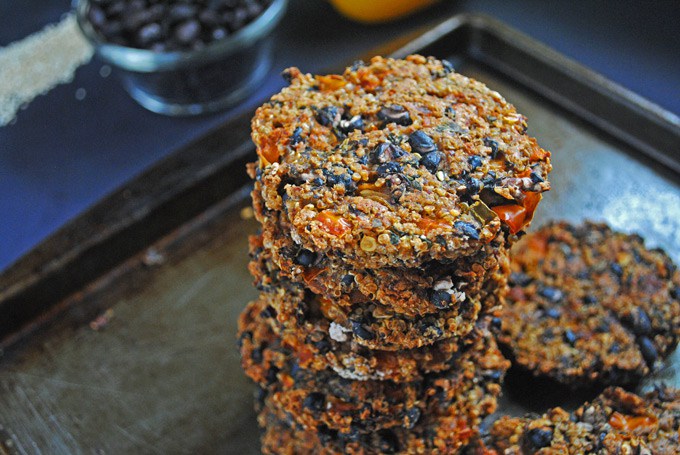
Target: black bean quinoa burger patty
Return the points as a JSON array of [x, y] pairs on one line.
[[588, 305], [616, 422], [370, 324], [430, 434], [318, 399], [314, 349], [395, 163], [428, 289]]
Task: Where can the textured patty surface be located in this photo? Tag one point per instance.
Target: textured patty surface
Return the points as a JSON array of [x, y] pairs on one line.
[[395, 163], [617, 422], [414, 291], [322, 399], [590, 305]]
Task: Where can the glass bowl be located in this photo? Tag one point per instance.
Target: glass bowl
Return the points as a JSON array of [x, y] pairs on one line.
[[196, 81]]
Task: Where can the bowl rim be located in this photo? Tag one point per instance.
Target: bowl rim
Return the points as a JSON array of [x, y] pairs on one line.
[[146, 61]]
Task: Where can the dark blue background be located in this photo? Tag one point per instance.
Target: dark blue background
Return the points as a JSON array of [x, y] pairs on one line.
[[63, 155]]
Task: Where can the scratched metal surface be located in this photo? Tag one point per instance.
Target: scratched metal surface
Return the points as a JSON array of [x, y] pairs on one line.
[[163, 376]]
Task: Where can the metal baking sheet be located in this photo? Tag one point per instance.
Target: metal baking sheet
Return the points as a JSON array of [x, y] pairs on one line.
[[121, 338]]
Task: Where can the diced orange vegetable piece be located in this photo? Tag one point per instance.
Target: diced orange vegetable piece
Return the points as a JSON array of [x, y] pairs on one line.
[[530, 203], [463, 431], [538, 154], [268, 150], [367, 79], [310, 273], [330, 82], [427, 224], [512, 215], [287, 380], [304, 354], [333, 224], [518, 216], [631, 423]]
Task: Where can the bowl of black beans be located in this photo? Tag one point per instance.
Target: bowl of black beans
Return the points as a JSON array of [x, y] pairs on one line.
[[184, 57]]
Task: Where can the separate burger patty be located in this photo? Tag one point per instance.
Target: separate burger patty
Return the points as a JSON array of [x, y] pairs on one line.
[[414, 291], [395, 163], [318, 400], [590, 306], [616, 422]]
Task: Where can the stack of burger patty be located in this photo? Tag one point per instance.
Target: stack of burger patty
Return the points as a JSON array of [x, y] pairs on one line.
[[388, 198]]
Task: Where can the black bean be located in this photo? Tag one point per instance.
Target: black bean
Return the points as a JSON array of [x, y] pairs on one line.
[[570, 337], [323, 346], [448, 66], [287, 76], [496, 323], [538, 438], [493, 375], [489, 181], [210, 17], [256, 355], [296, 138], [268, 312], [615, 348], [305, 258], [395, 114], [254, 9], [536, 178], [616, 269], [181, 12], [301, 313], [603, 327], [387, 442], [663, 392], [432, 160], [328, 116], [96, 16], [347, 126], [472, 186], [639, 322], [343, 179], [553, 313], [237, 19], [148, 34], [547, 335], [550, 293], [493, 145], [648, 350], [474, 161], [326, 435], [520, 279], [589, 299], [385, 152], [675, 292], [187, 31], [388, 168], [413, 416], [441, 299], [315, 402], [466, 228], [357, 64], [421, 142], [134, 19], [427, 328], [362, 332], [347, 280], [270, 377], [219, 33]]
